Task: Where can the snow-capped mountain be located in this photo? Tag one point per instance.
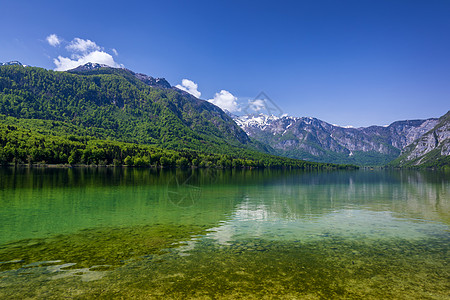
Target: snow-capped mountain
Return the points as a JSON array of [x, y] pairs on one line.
[[312, 139], [260, 121], [90, 66], [12, 63]]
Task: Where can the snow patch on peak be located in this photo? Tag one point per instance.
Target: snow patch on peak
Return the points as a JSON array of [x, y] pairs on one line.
[[346, 126], [91, 66], [260, 120], [12, 63]]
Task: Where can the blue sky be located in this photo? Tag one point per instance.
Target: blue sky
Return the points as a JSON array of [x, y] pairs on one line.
[[354, 63]]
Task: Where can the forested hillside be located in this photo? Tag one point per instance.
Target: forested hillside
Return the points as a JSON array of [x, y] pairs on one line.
[[28, 141], [107, 116], [114, 103]]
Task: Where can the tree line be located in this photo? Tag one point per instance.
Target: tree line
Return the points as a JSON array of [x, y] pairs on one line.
[[19, 145]]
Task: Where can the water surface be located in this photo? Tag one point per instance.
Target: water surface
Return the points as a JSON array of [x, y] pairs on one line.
[[139, 233]]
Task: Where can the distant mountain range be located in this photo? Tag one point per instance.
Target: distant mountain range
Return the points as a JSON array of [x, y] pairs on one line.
[[119, 104], [315, 140]]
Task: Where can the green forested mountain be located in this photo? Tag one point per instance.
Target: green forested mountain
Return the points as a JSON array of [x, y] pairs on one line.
[[54, 142], [116, 104], [100, 115]]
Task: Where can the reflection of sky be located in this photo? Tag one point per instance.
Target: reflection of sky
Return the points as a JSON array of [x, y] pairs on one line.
[[256, 220]]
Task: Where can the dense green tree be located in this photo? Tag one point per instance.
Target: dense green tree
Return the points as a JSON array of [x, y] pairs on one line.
[[109, 117]]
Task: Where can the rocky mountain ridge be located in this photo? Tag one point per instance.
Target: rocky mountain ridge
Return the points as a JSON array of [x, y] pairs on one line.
[[95, 68], [313, 139], [89, 67], [431, 149], [11, 63]]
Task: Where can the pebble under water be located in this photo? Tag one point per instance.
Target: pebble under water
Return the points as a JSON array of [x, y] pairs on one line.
[[224, 235]]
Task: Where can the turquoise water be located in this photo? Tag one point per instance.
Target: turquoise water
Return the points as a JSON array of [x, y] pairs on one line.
[[208, 234]]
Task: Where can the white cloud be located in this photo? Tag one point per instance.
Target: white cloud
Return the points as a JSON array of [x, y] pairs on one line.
[[82, 46], [81, 52], [190, 87], [257, 104], [115, 52], [65, 63], [226, 101], [53, 40]]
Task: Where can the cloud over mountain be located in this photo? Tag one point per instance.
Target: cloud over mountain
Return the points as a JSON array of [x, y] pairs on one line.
[[81, 51], [190, 87], [225, 100]]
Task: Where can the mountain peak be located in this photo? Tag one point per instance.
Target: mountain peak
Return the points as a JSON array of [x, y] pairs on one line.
[[11, 63], [90, 66], [96, 68], [257, 120]]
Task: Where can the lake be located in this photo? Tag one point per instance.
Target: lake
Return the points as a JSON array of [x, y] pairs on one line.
[[224, 234]]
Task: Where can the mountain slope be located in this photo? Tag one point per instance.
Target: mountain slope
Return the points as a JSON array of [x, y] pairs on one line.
[[312, 139], [430, 150], [34, 141], [99, 115], [119, 104]]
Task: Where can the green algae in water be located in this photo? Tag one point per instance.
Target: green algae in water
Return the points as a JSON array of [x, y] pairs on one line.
[[259, 269], [104, 247], [252, 235]]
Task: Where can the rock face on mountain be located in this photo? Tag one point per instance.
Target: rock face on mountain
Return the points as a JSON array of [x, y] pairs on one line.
[[312, 139], [161, 82], [431, 149], [401, 133]]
